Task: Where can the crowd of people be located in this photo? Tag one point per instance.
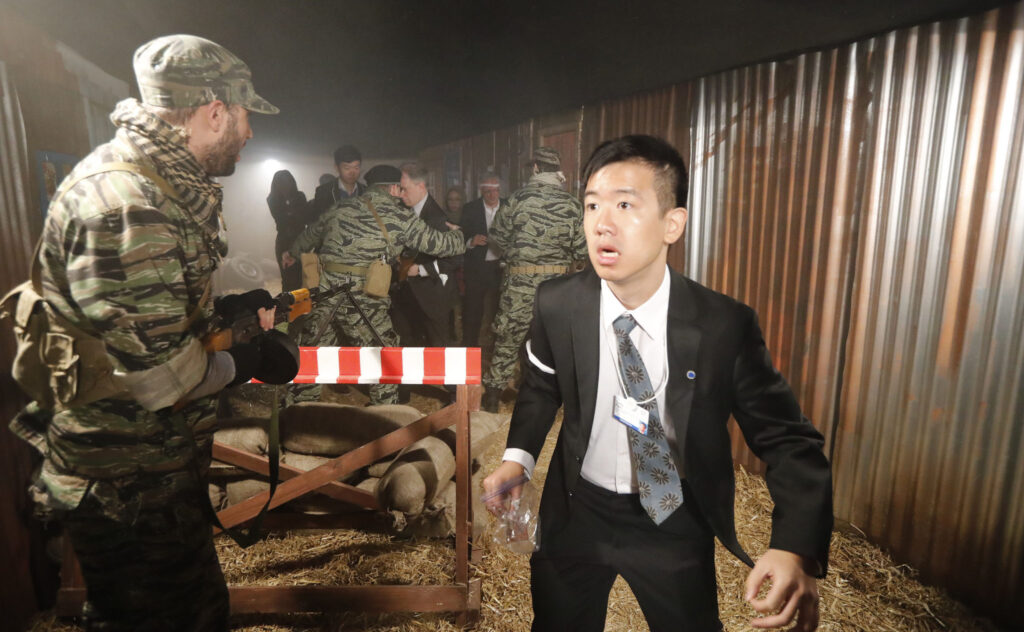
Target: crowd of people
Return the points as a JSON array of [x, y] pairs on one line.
[[646, 365], [446, 289]]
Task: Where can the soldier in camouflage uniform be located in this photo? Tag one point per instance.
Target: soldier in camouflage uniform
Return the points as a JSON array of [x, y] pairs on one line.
[[127, 253], [540, 234], [348, 238]]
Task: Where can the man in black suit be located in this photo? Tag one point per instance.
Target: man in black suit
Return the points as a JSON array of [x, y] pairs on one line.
[[349, 162], [648, 366], [423, 304], [481, 262]]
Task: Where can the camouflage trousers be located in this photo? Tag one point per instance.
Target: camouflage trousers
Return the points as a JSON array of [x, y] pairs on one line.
[[155, 569], [347, 329], [511, 325]]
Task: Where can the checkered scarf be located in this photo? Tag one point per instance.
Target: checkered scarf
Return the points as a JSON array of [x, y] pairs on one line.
[[167, 147]]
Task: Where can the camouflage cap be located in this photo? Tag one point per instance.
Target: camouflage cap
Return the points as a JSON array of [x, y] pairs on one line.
[[547, 155], [184, 71], [383, 174]]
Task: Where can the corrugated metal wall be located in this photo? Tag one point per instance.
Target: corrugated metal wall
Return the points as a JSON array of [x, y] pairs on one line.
[[18, 599], [931, 414], [868, 201]]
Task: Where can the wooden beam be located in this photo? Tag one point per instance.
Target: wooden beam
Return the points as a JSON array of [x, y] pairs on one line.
[[261, 465], [336, 468], [268, 599]]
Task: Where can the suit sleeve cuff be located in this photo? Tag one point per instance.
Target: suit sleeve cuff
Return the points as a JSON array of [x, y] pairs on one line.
[[522, 457]]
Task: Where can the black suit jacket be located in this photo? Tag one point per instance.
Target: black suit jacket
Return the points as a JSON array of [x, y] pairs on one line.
[[719, 339], [329, 194], [436, 299], [474, 222]]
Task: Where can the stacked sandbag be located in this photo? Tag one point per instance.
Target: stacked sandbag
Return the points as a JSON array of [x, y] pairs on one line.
[[413, 479], [415, 485], [247, 400], [334, 429], [483, 431]]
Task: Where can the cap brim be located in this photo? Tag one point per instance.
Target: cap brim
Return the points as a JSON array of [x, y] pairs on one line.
[[261, 106]]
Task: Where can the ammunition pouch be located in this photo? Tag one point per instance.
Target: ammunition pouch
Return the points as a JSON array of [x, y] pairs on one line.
[[378, 279], [310, 269], [56, 363]]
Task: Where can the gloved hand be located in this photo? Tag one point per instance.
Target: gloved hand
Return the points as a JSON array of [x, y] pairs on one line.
[[234, 306]]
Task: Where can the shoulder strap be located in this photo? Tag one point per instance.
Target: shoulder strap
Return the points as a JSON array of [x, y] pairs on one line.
[[383, 228]]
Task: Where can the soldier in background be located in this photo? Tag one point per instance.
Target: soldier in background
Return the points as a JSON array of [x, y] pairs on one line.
[[349, 238], [127, 255], [540, 234]]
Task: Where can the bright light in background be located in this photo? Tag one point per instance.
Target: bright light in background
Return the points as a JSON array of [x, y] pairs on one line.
[[271, 166]]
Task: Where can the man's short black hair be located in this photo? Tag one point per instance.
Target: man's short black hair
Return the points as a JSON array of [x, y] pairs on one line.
[[347, 153], [670, 177]]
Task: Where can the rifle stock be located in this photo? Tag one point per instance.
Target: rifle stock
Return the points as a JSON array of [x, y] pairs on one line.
[[289, 306]]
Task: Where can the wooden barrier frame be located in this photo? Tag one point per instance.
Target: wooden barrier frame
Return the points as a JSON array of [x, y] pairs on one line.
[[461, 597]]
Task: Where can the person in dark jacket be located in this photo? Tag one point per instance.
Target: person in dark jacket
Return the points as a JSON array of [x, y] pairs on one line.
[[349, 162], [290, 212]]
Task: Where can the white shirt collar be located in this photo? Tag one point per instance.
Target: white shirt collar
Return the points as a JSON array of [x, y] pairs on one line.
[[651, 316], [418, 207]]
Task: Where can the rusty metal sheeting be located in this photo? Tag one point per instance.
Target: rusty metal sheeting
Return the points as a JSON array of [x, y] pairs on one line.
[[868, 201], [931, 424]]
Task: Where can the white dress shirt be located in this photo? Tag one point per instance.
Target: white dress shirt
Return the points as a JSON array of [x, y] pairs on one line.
[[608, 462], [417, 208], [489, 213]]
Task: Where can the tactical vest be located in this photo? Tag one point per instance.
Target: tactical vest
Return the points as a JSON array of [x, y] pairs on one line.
[[56, 363]]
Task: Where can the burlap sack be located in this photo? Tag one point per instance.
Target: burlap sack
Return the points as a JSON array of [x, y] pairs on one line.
[[218, 496], [484, 430], [437, 520], [246, 400], [369, 484], [239, 489], [244, 433], [332, 429], [415, 478]]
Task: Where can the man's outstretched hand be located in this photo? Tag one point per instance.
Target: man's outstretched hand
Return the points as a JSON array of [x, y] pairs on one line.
[[794, 593]]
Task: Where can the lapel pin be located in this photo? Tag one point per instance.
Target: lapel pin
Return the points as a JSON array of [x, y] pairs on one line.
[[690, 375]]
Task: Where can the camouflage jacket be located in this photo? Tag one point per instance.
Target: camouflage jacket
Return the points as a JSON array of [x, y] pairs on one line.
[[542, 225], [129, 265], [348, 234]]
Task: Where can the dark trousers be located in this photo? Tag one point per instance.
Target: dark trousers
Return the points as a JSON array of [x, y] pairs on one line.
[[155, 572], [483, 286], [670, 568], [416, 326]]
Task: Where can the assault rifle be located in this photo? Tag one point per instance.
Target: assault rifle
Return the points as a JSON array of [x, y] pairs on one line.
[[290, 305]]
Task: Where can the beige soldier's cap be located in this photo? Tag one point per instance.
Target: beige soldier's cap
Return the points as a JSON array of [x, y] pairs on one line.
[[184, 71], [547, 155]]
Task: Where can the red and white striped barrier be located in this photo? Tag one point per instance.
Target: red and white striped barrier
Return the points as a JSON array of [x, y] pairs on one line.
[[388, 365]]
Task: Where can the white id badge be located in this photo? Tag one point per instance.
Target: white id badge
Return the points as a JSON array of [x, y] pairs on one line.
[[627, 411]]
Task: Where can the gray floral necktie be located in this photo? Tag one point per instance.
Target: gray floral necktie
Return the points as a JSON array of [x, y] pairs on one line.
[[660, 490]]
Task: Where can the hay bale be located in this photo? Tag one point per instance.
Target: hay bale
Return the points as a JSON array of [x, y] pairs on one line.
[[244, 433], [332, 429], [415, 477]]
